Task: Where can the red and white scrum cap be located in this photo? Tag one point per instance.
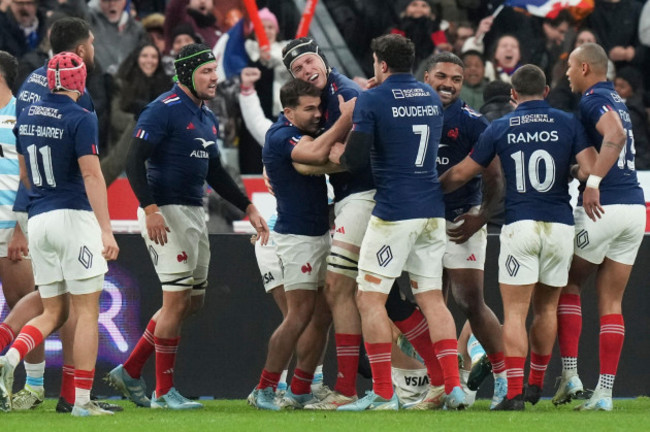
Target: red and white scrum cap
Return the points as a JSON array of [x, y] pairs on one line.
[[66, 71]]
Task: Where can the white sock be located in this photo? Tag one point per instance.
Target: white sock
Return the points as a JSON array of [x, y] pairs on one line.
[[81, 396], [35, 372], [13, 357]]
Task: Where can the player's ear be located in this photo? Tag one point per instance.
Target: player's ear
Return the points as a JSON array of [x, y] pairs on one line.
[[288, 113]]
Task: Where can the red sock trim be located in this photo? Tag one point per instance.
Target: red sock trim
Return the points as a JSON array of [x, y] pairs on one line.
[[612, 335], [498, 361], [83, 379], [379, 357], [301, 382], [29, 338], [447, 353], [538, 365], [67, 384], [416, 331], [347, 357], [7, 336], [142, 351], [269, 379], [569, 324], [165, 360], [515, 373]]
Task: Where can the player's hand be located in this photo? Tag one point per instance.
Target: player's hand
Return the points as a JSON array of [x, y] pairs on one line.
[[336, 152], [111, 249], [267, 181], [372, 83], [361, 81], [591, 203], [471, 223], [156, 228], [17, 248], [258, 222], [347, 108], [249, 76]]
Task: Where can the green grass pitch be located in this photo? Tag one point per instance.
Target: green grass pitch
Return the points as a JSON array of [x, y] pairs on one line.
[[235, 415]]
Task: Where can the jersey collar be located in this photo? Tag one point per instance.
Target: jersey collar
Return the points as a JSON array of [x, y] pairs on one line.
[[532, 104], [189, 103], [602, 84]]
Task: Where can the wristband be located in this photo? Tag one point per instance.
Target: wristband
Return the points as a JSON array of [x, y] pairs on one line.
[[156, 212], [593, 181]]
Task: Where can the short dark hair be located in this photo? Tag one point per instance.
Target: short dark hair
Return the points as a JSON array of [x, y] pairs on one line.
[[529, 80], [397, 51], [67, 33], [443, 57], [290, 92], [8, 68], [470, 53]]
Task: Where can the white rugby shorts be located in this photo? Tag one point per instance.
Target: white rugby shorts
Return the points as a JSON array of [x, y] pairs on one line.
[[188, 245], [413, 245], [468, 255], [303, 260], [269, 263], [617, 235], [534, 251], [65, 244]]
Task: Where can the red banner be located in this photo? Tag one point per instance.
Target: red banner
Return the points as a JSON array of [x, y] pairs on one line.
[[254, 16], [305, 21]]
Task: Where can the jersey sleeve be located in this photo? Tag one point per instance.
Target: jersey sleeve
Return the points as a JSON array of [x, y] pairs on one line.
[[580, 139], [363, 118], [213, 150], [485, 149], [348, 93], [284, 141], [152, 123], [593, 107], [86, 136]]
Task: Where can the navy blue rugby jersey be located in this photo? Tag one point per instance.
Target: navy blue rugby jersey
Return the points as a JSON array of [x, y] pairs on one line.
[[52, 135], [184, 137], [301, 200], [535, 144], [620, 185], [404, 117], [32, 90], [460, 132], [343, 183]]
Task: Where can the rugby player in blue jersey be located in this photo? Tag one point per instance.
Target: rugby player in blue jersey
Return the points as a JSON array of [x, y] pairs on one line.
[[397, 127], [302, 238], [535, 145], [610, 222], [467, 211], [173, 153], [353, 202], [57, 141]]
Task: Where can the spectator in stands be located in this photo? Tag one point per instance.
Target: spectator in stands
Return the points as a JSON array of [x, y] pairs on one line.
[[420, 22], [22, 27], [154, 26], [116, 33], [629, 86], [474, 81], [505, 60], [462, 32], [183, 34], [616, 24], [197, 13]]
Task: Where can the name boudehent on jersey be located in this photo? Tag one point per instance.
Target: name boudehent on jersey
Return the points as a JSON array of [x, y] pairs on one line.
[[416, 111]]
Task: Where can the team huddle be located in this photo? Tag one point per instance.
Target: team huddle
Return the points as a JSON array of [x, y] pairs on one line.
[[416, 174]]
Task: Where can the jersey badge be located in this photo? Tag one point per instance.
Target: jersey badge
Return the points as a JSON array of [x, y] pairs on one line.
[[182, 257], [142, 134], [171, 99], [453, 133], [205, 143], [306, 268], [190, 126]]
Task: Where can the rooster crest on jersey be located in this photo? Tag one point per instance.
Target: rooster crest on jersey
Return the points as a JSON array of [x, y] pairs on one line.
[[66, 71]]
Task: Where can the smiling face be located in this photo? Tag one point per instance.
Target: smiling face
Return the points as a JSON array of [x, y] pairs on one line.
[[417, 9], [474, 69], [24, 11], [205, 81], [447, 80], [148, 60], [306, 116], [310, 68], [203, 6], [507, 53]]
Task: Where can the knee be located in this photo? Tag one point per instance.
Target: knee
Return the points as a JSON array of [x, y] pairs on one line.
[[339, 287], [196, 304]]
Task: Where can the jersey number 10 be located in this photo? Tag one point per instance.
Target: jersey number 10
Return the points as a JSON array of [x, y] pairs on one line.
[[536, 159], [46, 153]]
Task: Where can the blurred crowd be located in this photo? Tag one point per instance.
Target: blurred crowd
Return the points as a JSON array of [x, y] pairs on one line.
[[137, 40]]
